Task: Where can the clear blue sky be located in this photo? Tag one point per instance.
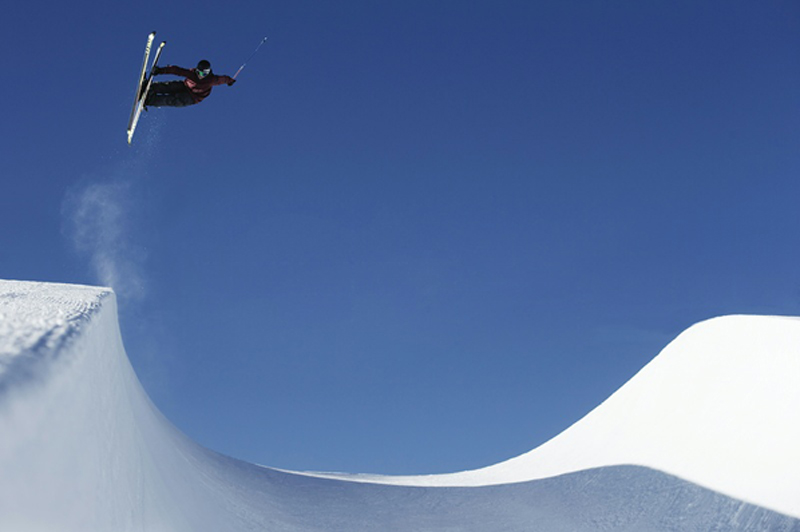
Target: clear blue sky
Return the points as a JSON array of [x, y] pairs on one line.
[[415, 237]]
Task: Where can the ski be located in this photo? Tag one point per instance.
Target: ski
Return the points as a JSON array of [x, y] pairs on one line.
[[144, 92], [150, 38]]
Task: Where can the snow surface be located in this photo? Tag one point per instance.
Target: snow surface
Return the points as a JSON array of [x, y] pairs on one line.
[[705, 437], [725, 392]]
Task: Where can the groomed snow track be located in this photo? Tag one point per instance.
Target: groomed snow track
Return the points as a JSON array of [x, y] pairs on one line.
[[82, 447]]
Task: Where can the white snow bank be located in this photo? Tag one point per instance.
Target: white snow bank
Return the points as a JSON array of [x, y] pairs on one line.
[[83, 448], [35, 318], [719, 406], [75, 424]]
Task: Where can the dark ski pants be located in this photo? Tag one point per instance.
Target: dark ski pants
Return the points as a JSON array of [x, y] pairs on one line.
[[169, 94]]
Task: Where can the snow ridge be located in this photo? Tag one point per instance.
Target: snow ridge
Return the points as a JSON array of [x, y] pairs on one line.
[[719, 406], [37, 320]]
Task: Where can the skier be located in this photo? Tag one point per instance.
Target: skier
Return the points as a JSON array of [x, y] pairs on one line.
[[194, 89]]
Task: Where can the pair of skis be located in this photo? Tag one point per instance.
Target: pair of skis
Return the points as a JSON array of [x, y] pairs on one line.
[[144, 82]]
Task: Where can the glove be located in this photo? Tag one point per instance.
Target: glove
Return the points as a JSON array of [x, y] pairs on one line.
[[231, 82], [157, 70]]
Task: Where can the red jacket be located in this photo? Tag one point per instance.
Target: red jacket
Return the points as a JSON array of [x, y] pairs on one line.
[[199, 88]]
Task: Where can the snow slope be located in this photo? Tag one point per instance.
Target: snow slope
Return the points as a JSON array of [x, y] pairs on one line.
[[719, 406], [705, 437]]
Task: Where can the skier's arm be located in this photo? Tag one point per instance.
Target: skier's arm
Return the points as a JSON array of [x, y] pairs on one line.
[[174, 70], [224, 80]]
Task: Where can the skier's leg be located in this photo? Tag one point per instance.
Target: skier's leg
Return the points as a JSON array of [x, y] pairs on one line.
[[167, 87], [180, 99]]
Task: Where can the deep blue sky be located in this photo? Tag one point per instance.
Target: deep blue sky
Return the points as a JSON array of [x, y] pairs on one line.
[[415, 237]]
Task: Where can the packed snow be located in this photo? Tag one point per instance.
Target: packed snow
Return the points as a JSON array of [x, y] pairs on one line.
[[705, 437], [726, 391]]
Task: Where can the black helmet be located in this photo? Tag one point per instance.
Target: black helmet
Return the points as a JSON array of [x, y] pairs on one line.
[[203, 69]]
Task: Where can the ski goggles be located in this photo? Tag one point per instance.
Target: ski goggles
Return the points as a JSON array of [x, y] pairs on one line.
[[202, 73]]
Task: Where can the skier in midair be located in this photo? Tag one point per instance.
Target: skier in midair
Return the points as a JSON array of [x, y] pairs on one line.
[[193, 89]]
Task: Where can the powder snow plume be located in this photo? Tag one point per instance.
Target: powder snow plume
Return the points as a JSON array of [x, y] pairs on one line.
[[99, 219]]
